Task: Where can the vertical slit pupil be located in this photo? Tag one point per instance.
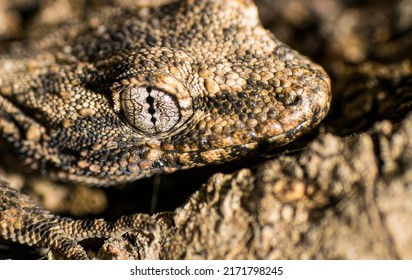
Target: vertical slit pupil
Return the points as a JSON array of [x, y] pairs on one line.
[[150, 100]]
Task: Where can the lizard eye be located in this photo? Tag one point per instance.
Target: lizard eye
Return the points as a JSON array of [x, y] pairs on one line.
[[150, 110], [156, 104]]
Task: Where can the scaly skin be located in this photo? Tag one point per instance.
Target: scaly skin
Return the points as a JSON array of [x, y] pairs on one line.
[[131, 92]]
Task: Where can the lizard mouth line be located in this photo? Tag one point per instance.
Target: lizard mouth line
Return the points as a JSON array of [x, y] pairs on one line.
[[287, 136]]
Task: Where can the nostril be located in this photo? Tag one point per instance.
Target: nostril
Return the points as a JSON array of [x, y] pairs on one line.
[[289, 97], [295, 100]]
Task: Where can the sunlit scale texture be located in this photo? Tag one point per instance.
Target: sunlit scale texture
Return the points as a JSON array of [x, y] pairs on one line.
[[155, 89]]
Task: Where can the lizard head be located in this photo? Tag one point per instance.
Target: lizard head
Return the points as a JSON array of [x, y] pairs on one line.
[[140, 90], [221, 89]]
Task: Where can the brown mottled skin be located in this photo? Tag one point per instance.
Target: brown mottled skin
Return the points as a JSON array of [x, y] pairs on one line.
[[131, 92]]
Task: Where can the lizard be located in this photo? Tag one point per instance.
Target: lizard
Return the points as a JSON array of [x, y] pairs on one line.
[[130, 91]]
